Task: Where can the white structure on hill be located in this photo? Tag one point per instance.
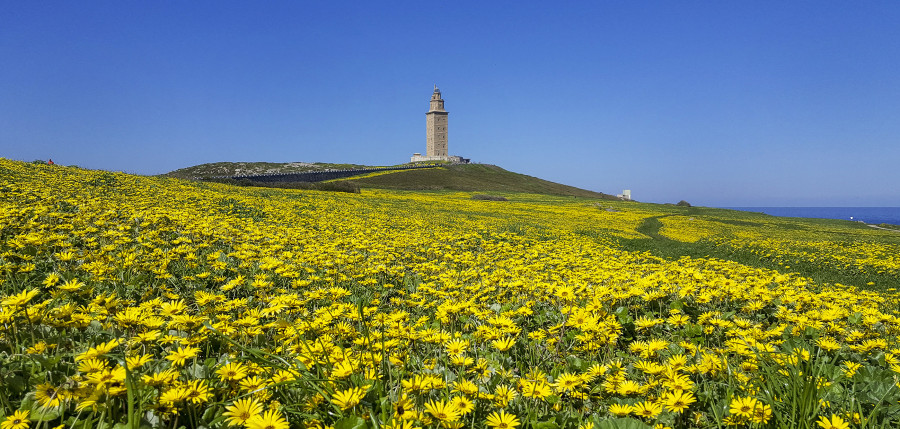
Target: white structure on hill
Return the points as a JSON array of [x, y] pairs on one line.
[[436, 133], [625, 195]]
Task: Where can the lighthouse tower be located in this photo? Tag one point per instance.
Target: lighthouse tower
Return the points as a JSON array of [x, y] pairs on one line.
[[436, 133], [436, 127]]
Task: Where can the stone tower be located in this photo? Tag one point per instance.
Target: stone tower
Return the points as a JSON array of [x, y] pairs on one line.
[[436, 127]]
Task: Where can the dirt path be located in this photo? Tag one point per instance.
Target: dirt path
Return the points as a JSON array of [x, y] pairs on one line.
[[882, 228]]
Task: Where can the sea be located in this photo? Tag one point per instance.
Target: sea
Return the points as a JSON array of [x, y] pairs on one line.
[[870, 215]]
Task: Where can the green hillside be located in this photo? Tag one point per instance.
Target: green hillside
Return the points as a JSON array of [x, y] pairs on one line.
[[458, 177], [471, 178]]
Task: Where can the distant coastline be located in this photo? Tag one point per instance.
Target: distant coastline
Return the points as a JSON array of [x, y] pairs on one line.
[[869, 215]]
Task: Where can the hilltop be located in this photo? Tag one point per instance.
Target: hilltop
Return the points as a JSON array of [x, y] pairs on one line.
[[471, 178], [452, 177], [219, 169]]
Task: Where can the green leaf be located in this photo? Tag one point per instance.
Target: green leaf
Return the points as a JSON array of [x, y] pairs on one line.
[[577, 363], [545, 425], [37, 412], [210, 414], [75, 423], [621, 423], [40, 414], [623, 316], [15, 384], [350, 422], [196, 370]]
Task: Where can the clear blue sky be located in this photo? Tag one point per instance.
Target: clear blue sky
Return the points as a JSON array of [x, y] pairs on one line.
[[720, 103]]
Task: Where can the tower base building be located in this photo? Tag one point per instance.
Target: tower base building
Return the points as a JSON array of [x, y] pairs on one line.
[[418, 157]]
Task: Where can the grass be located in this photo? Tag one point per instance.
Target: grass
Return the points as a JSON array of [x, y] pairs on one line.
[[451, 177], [311, 186], [473, 178], [662, 246]]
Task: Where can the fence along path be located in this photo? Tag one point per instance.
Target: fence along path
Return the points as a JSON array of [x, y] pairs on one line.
[[321, 176]]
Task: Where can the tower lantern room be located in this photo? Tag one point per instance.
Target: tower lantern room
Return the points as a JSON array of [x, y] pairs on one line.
[[437, 103]]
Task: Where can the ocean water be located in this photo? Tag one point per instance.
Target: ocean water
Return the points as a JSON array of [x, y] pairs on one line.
[[872, 215]]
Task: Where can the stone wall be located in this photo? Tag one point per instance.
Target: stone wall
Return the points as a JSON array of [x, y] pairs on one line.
[[319, 176]]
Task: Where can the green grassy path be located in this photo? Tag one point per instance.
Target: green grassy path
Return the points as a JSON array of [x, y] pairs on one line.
[[667, 248]]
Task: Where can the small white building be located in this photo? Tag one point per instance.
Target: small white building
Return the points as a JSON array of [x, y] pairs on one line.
[[625, 195]]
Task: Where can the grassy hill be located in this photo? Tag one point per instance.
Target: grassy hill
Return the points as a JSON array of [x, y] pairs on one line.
[[462, 177], [472, 178]]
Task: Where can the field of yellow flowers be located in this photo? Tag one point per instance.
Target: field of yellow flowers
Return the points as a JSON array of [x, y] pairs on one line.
[[136, 302]]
